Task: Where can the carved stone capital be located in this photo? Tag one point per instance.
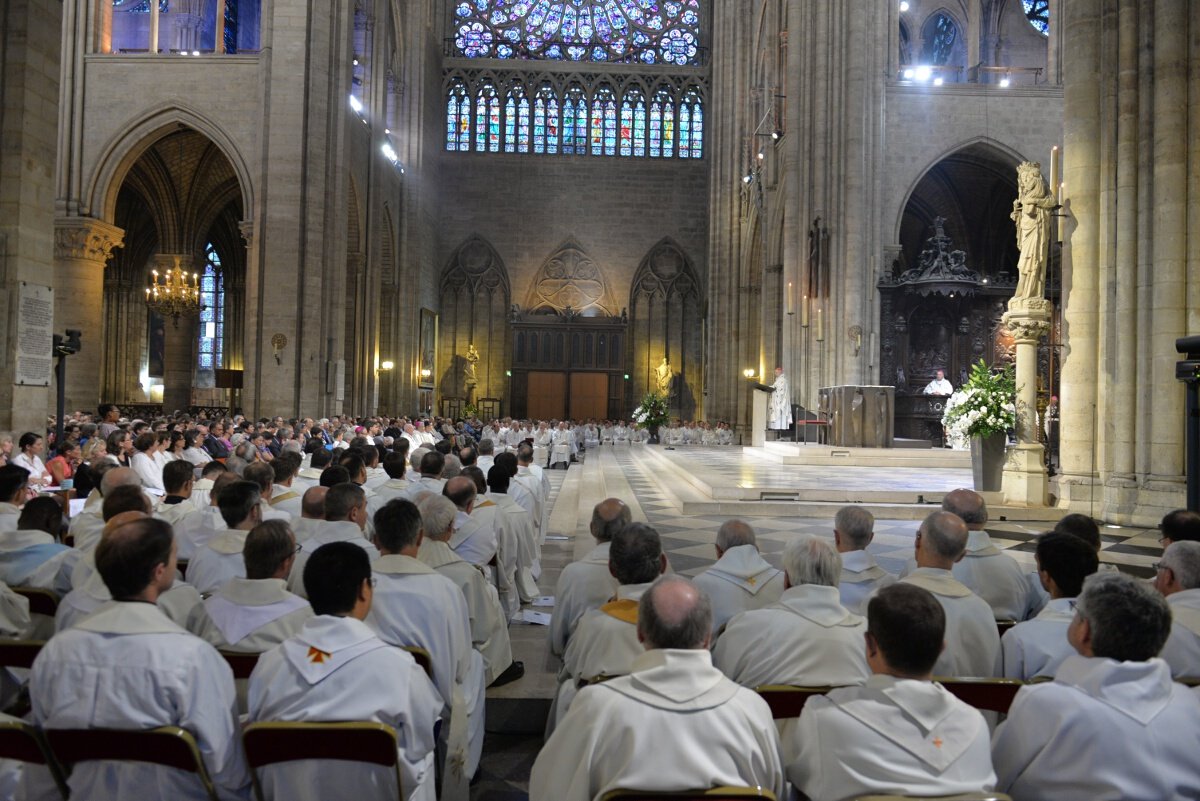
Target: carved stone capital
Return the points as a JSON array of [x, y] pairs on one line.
[[86, 239], [1026, 327], [247, 229]]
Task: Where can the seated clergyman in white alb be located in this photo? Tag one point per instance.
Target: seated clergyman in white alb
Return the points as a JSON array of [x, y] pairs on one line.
[[740, 579], [87, 526], [472, 540], [972, 642], [808, 638], [587, 583], [985, 569], [255, 613], [32, 556], [1178, 579], [675, 723], [220, 559], [1038, 646], [345, 521], [129, 667], [1111, 724], [939, 385], [900, 733], [336, 669], [176, 507], [853, 530]]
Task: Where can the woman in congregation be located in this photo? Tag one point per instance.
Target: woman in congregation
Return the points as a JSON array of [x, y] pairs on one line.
[[143, 462], [176, 445], [32, 446], [119, 444], [63, 466], [95, 451], [6, 446], [195, 452]]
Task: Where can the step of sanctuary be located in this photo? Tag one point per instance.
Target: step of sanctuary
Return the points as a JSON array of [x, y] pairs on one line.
[[801, 453]]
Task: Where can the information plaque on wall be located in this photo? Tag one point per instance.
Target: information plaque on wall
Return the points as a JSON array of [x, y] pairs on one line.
[[35, 331]]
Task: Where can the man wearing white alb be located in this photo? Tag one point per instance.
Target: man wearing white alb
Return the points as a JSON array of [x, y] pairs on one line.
[[676, 723], [587, 583], [853, 530], [986, 570], [939, 385], [740, 579], [900, 733], [1038, 646], [972, 642], [779, 415], [1112, 724], [336, 669], [1178, 579]]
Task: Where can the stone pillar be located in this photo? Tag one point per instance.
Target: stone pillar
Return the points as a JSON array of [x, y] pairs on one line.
[[1025, 482], [82, 246], [179, 353]]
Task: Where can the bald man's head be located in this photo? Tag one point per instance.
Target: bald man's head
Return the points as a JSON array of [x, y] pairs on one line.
[[968, 505], [461, 492], [120, 519], [943, 540], [312, 505], [136, 560], [608, 517], [733, 533], [674, 613], [119, 477]]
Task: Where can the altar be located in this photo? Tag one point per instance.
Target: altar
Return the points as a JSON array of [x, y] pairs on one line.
[[859, 416]]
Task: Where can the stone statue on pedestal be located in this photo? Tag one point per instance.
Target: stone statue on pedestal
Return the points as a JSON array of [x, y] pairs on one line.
[[1031, 213], [663, 377], [470, 381]]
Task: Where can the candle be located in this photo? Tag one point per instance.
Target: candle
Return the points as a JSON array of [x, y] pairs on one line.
[[1055, 171], [820, 330], [804, 312], [790, 310]]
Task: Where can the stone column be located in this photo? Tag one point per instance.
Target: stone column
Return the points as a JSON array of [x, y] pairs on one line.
[[1025, 482], [82, 246], [179, 356]]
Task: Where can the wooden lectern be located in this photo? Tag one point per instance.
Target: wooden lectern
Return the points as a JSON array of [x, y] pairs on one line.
[[760, 398]]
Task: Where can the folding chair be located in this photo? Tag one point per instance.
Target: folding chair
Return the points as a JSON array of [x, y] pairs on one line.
[[41, 602], [787, 701], [711, 794], [24, 743], [992, 695], [270, 743], [242, 664], [168, 746], [959, 797], [19, 653], [422, 657]]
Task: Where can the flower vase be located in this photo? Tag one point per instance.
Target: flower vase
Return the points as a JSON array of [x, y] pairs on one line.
[[987, 461], [653, 435]]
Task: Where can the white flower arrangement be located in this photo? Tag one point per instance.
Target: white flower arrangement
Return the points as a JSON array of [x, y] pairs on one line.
[[985, 405]]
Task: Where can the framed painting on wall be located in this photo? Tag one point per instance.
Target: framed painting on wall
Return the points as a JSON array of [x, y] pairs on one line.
[[156, 335], [427, 342]]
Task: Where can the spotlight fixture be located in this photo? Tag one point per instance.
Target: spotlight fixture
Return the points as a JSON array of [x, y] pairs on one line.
[[749, 372], [922, 73], [747, 178], [356, 104], [903, 6], [776, 134], [387, 365], [761, 155], [938, 81], [1004, 82]]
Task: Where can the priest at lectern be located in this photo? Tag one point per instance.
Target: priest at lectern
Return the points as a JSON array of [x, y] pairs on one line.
[[780, 413]]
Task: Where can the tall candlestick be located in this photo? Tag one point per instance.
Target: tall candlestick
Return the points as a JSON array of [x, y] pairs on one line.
[[790, 310], [804, 312], [1056, 173], [820, 336]]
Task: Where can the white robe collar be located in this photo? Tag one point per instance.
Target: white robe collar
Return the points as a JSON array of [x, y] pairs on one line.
[[400, 565], [598, 555], [1185, 609], [1139, 690], [23, 538], [1057, 610], [229, 541], [437, 553], [680, 680], [980, 544], [242, 606], [858, 562], [820, 605], [938, 581], [327, 643], [744, 567], [335, 531], [129, 617], [632, 592]]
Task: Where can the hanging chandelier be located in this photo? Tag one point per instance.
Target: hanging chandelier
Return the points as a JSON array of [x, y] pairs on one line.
[[174, 293]]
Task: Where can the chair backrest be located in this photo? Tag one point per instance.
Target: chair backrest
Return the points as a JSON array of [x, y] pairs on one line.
[[787, 701], [182, 565], [994, 695], [270, 743], [711, 794], [242, 664], [24, 743], [959, 797], [422, 657], [169, 746], [19, 653], [41, 602], [1003, 626]]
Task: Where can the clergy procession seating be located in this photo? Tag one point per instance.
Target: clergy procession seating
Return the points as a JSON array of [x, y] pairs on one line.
[[986, 695], [356, 741], [711, 794], [422, 657], [41, 602], [959, 797], [22, 742], [787, 701], [169, 746]]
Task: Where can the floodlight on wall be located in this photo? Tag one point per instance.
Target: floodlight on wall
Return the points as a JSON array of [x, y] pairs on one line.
[[938, 81], [908, 74], [426, 372], [761, 155], [1005, 81], [748, 178], [776, 134], [923, 73], [356, 104], [386, 365], [903, 6], [749, 372]]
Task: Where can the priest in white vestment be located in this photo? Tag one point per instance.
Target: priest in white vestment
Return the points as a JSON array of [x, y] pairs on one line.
[[220, 559], [972, 641], [939, 385], [808, 638], [853, 530], [286, 495], [779, 412], [473, 540], [675, 723], [87, 526], [562, 445], [1112, 724], [345, 521], [1178, 579], [542, 441], [336, 669], [740, 579], [1038, 646], [128, 667], [519, 549], [256, 613], [414, 605], [985, 569], [899, 733], [396, 486], [312, 514], [31, 555], [429, 479], [605, 643], [489, 626], [587, 583]]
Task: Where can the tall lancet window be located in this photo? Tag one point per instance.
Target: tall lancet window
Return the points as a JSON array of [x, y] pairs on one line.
[[212, 313]]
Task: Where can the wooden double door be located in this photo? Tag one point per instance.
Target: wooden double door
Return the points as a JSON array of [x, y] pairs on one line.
[[568, 367], [573, 396]]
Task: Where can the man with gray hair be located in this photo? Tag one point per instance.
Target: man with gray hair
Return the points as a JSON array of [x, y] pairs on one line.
[[986, 570], [1111, 724], [808, 638], [587, 583], [1178, 579], [605, 643], [88, 525], [345, 521], [673, 724], [972, 642], [853, 530], [741, 579]]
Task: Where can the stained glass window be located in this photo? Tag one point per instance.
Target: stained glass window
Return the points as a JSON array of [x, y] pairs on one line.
[[691, 124], [458, 118], [633, 123], [487, 119], [604, 122], [516, 120], [212, 313], [1038, 14], [662, 124], [645, 31], [231, 26], [575, 122], [545, 121], [941, 34]]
